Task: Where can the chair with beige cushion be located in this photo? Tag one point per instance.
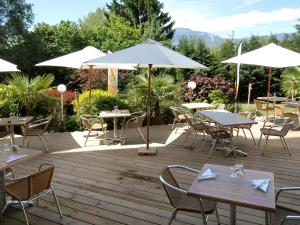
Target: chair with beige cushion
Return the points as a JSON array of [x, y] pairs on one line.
[[93, 124], [37, 128], [261, 108], [276, 130], [180, 200], [24, 190], [178, 114]]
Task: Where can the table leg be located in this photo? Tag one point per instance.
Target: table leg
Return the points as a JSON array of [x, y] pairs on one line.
[[12, 135], [232, 215], [234, 150], [2, 194], [268, 218], [115, 128]]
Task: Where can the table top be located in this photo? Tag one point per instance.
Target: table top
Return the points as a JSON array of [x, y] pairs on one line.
[[5, 153], [112, 114], [15, 121], [235, 191], [273, 99], [199, 105], [226, 118], [293, 104]]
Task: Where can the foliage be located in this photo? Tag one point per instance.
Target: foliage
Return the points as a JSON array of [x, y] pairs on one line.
[[138, 13], [68, 96], [7, 100], [218, 96], [15, 18], [206, 85], [71, 123], [290, 82], [100, 100], [164, 92], [94, 19], [28, 90]]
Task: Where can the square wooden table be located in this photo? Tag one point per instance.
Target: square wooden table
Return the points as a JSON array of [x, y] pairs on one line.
[[122, 113], [198, 105], [11, 122], [5, 152], [227, 119], [236, 191]]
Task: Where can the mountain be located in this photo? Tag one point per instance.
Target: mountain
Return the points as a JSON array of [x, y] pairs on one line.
[[210, 40]]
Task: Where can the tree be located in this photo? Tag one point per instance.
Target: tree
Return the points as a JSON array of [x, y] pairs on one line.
[[94, 19], [15, 18], [139, 12], [290, 82]]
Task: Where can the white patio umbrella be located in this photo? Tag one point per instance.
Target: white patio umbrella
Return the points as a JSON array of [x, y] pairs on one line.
[[270, 56], [76, 59], [7, 66], [149, 54]]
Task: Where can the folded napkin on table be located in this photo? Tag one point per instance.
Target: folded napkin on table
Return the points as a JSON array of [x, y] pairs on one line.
[[261, 184], [14, 158], [206, 175]]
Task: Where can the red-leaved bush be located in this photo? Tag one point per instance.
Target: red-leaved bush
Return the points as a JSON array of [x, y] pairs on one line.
[[69, 96], [207, 84]]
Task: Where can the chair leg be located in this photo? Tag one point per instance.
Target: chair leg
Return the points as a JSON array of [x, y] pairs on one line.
[[56, 201], [174, 121], [27, 144], [212, 147], [203, 143], [266, 143], [217, 215], [176, 128], [173, 216], [237, 133], [252, 136], [287, 147], [187, 134], [194, 138], [259, 140], [24, 213], [43, 142], [141, 134], [87, 138], [244, 133], [47, 140], [23, 144]]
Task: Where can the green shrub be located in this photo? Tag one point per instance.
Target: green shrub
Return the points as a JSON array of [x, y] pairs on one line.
[[71, 123], [7, 100], [218, 96]]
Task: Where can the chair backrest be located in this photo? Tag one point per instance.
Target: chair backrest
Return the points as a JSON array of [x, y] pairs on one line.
[[189, 121], [278, 111], [170, 184], [28, 187], [286, 127], [137, 119], [258, 104], [86, 121], [174, 111]]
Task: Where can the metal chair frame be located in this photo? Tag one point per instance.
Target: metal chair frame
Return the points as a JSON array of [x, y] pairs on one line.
[[184, 193], [32, 193], [197, 128], [135, 121], [178, 114]]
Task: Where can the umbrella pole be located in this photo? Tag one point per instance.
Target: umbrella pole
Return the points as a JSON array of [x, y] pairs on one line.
[[269, 87], [148, 150], [90, 90]]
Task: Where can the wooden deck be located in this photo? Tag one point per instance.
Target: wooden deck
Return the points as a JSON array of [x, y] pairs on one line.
[[113, 185]]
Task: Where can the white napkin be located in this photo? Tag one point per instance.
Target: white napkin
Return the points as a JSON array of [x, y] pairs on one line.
[[206, 175], [14, 158], [261, 184]]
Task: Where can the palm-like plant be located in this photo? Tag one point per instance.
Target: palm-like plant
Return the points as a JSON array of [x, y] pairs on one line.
[[290, 82], [29, 89], [164, 91]]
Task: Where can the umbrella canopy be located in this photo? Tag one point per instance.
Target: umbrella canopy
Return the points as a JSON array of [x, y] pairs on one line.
[[149, 54], [7, 66], [76, 60], [270, 55]]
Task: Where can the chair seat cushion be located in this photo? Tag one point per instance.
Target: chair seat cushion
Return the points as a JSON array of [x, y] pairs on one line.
[[34, 132], [192, 204], [181, 117], [18, 190], [98, 126], [275, 131]]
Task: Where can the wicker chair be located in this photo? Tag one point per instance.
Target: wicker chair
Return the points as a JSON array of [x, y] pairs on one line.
[[261, 108], [135, 121], [217, 134], [32, 187], [180, 200], [280, 114], [276, 130], [197, 128], [91, 126], [178, 114], [284, 215], [37, 129]]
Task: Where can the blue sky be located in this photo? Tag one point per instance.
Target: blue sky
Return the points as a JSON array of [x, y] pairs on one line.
[[222, 17]]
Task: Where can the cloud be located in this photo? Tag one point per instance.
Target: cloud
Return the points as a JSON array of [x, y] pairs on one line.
[[191, 18], [247, 3]]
